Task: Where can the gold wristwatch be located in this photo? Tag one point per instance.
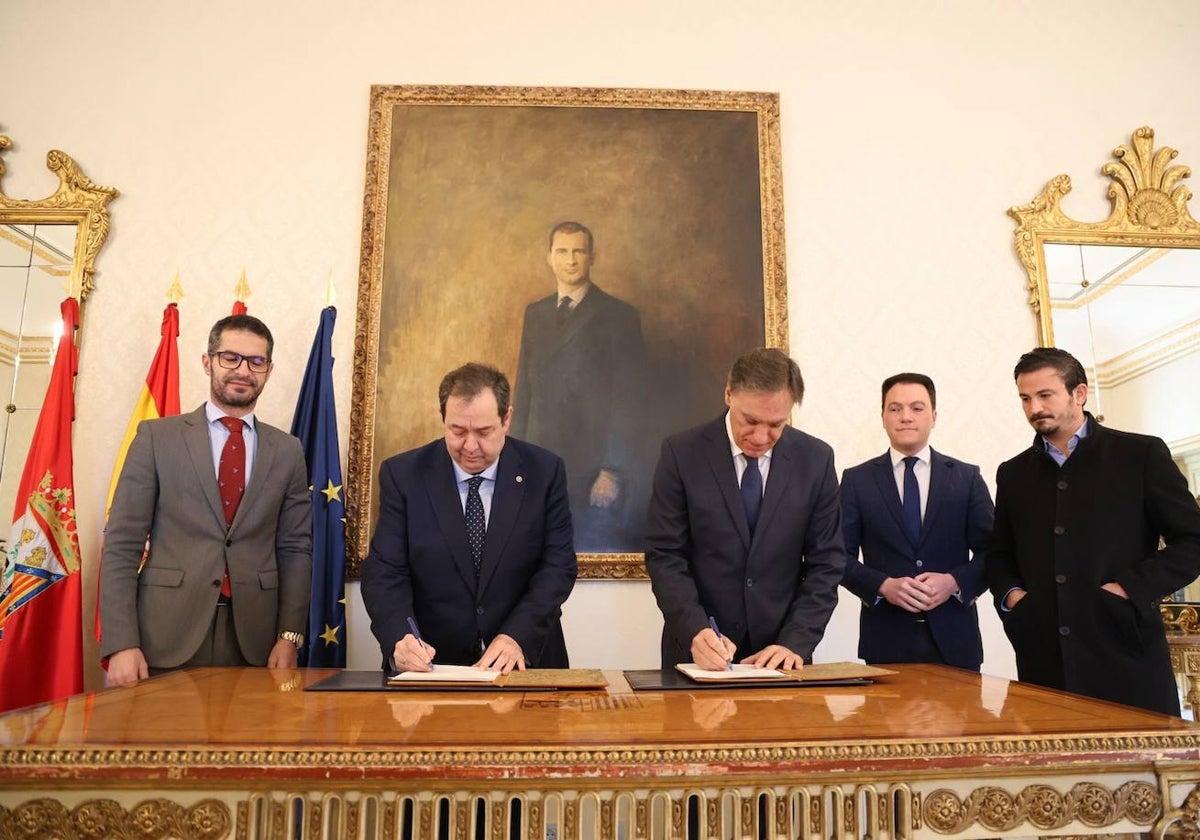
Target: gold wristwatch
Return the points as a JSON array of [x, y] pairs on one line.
[[295, 638]]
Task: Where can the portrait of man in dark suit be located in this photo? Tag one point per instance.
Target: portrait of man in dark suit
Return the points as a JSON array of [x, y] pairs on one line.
[[224, 500], [744, 532], [922, 520], [579, 393], [472, 555], [1075, 562]]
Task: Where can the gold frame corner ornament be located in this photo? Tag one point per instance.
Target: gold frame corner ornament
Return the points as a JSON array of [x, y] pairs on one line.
[[78, 200], [1149, 208]]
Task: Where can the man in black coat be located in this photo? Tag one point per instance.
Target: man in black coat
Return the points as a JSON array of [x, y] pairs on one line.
[[1074, 562], [580, 391]]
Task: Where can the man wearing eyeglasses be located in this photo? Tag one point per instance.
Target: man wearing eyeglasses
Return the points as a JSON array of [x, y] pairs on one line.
[[224, 500]]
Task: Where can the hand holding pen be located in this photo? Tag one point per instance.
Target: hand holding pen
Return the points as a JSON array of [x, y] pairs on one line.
[[711, 650], [411, 652]]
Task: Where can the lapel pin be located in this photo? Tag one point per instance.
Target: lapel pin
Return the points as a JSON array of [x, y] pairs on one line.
[[520, 478]]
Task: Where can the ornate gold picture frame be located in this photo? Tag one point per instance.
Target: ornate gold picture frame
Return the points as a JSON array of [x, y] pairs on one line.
[[681, 194]]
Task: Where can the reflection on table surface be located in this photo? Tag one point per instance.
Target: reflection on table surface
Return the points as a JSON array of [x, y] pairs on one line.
[[231, 706]]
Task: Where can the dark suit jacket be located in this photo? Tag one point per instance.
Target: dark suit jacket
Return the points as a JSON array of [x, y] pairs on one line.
[[779, 588], [420, 565], [168, 489], [954, 534], [1063, 532], [579, 393]]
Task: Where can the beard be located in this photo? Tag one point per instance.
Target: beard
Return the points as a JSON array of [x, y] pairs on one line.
[[224, 394]]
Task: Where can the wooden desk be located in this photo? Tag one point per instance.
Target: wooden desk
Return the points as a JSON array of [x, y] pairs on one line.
[[929, 753]]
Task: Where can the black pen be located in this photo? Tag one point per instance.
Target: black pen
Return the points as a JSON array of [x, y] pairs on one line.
[[412, 625]]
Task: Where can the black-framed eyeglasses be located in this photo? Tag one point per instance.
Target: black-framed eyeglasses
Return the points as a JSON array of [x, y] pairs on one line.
[[232, 361]]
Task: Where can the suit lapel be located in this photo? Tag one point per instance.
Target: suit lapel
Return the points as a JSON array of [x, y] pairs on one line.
[[778, 477], [448, 508], [583, 312], [199, 452], [508, 494], [720, 459], [940, 477], [885, 480]]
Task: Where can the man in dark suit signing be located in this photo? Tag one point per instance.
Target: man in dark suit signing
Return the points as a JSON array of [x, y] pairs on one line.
[[745, 528], [580, 392], [473, 541], [1074, 562], [224, 500], [922, 520]]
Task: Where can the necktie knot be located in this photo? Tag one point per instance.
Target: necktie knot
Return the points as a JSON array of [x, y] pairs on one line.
[[474, 481], [564, 310], [233, 424], [910, 462]]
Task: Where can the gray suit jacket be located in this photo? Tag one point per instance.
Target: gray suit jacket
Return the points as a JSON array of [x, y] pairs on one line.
[[168, 490]]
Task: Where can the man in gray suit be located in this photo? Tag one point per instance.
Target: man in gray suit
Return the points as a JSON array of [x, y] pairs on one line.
[[226, 580], [744, 534]]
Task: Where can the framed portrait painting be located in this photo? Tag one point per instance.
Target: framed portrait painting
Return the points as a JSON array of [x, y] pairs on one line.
[[662, 208]]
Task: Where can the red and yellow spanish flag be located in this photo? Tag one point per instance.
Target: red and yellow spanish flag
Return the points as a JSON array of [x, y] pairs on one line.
[[41, 618], [159, 397], [160, 392]]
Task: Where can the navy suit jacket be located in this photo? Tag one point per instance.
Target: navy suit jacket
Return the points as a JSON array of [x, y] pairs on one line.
[[954, 534], [420, 565], [779, 587]]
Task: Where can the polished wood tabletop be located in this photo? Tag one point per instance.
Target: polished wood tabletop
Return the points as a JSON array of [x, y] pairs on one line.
[[198, 718]]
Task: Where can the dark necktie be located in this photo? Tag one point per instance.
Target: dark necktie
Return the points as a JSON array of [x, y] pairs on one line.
[[476, 525], [231, 478], [563, 312], [751, 492], [912, 500]]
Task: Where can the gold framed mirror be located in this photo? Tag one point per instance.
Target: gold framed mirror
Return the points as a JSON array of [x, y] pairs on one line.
[[48, 250], [1123, 296]]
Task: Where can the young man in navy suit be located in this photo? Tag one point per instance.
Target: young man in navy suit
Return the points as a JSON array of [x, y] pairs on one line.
[[922, 520], [472, 554]]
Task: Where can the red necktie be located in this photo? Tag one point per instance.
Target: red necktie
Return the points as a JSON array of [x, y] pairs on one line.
[[231, 478]]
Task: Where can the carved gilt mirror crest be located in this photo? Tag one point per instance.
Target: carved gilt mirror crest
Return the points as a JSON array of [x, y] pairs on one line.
[[48, 251], [1123, 296]]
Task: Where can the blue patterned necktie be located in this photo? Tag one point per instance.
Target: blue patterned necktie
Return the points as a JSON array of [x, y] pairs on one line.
[[476, 525], [912, 500], [751, 492]]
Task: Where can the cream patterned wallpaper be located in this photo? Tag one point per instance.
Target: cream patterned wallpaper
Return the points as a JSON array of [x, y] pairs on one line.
[[236, 133]]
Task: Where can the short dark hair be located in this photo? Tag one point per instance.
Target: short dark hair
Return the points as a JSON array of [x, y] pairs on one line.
[[242, 323], [471, 379], [909, 379], [766, 369], [1064, 364], [571, 227]]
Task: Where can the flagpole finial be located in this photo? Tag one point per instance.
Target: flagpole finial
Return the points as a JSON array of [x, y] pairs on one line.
[[175, 291], [242, 290], [330, 295]]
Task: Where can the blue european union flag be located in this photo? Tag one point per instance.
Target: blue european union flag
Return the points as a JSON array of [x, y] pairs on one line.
[[315, 423]]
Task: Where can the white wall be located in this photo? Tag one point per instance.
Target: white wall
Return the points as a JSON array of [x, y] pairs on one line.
[[237, 131]]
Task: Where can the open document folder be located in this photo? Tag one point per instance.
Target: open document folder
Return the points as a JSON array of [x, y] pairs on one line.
[[736, 672], [453, 674], [824, 673]]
